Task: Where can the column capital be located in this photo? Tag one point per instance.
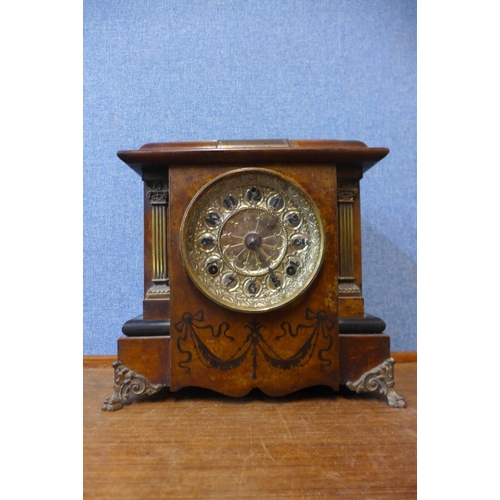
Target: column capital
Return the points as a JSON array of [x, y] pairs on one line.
[[157, 192], [347, 191]]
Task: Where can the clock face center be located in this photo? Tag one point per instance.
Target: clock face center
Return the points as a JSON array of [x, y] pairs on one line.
[[253, 241]]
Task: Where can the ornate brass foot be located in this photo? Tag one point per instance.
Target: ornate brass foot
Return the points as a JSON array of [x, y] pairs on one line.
[[127, 380], [381, 378]]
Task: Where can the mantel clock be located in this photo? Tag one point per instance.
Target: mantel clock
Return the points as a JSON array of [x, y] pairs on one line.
[[252, 271]]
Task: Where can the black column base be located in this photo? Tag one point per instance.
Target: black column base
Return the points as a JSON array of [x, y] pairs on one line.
[[139, 327], [368, 324]]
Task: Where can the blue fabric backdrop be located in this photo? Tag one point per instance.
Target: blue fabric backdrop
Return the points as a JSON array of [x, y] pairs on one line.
[[157, 71]]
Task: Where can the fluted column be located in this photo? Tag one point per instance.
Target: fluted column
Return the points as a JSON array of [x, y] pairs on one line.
[[158, 197], [346, 194]]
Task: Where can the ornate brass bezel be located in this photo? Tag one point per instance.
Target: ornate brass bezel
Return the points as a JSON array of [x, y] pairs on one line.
[[209, 199]]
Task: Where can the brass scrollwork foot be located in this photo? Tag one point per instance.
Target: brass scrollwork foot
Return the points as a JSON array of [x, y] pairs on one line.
[[380, 378], [127, 381]]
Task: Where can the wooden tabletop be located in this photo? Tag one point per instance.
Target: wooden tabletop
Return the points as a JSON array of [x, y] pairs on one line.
[[196, 444]]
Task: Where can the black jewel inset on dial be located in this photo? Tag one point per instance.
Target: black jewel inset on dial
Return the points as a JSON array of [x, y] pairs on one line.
[[276, 202], [213, 219], [299, 242], [207, 241], [212, 265], [253, 194], [292, 268], [229, 202]]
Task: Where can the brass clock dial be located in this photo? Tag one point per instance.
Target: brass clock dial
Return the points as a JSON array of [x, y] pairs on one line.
[[252, 240]]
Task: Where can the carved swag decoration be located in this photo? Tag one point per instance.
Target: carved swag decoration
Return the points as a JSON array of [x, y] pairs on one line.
[[192, 324]]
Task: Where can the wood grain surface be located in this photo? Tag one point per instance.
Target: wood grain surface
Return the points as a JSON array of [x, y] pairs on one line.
[[189, 368], [195, 444], [105, 361]]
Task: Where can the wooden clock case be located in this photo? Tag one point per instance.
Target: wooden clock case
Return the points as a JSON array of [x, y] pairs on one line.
[[185, 339]]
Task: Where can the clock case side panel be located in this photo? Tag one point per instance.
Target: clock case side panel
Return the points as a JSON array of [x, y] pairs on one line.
[[233, 352]]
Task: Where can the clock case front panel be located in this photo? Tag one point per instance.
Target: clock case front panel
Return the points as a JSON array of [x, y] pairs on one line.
[[232, 352]]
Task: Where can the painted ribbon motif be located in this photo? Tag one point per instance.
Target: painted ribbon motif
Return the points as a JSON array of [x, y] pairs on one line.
[[192, 324]]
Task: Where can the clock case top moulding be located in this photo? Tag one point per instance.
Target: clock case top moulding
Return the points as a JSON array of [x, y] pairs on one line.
[[169, 344]]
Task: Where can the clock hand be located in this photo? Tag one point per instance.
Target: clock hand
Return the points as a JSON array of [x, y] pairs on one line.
[[271, 224], [252, 242], [262, 257], [276, 281]]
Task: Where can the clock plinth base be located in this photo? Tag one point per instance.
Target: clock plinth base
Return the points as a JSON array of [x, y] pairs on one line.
[[360, 353], [149, 356], [144, 361]]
